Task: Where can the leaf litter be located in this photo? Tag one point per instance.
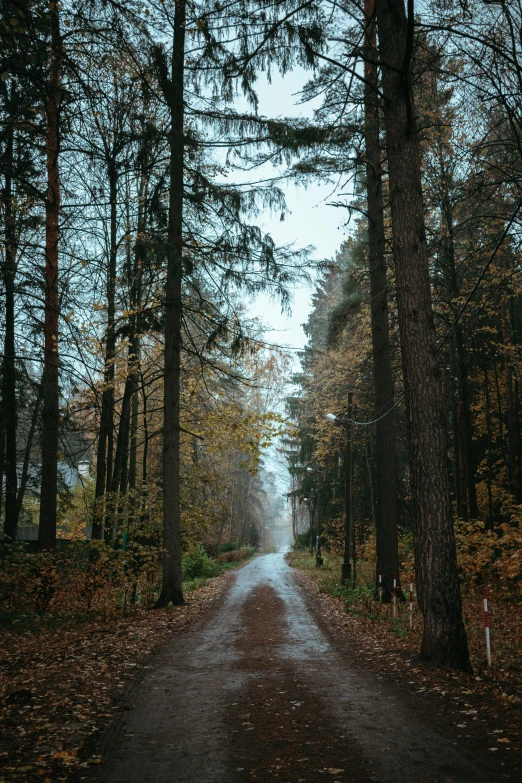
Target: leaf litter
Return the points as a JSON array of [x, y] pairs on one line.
[[59, 687]]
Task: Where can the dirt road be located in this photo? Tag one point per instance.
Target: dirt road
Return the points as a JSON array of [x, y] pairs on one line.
[[258, 692]]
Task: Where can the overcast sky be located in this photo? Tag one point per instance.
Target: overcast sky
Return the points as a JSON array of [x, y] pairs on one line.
[[311, 222]]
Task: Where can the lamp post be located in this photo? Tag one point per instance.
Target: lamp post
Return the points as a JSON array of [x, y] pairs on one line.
[[349, 549], [294, 471], [308, 502], [311, 502], [318, 556]]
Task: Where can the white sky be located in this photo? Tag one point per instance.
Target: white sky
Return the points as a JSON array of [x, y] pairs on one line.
[[311, 222]]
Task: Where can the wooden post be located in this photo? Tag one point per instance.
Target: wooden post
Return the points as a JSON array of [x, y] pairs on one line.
[[411, 603], [486, 626]]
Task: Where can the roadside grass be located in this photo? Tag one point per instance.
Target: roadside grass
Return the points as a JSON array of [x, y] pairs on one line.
[[199, 568]]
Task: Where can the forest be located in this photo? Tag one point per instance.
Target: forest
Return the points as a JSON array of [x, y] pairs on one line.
[[141, 400], [457, 453]]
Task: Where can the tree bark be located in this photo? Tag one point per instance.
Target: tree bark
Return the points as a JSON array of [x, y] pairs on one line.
[[489, 523], [463, 464], [467, 425], [511, 428], [104, 454], [467, 451], [501, 439], [50, 378], [122, 444], [386, 505], [24, 478], [2, 458], [144, 456], [120, 478], [9, 400], [172, 586], [133, 449], [460, 488], [444, 638]]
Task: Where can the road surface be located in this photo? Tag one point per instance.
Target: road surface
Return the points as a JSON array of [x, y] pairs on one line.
[[257, 692]]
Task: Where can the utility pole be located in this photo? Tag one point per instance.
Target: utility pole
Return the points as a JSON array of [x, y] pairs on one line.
[[311, 509], [318, 510], [318, 556], [346, 568]]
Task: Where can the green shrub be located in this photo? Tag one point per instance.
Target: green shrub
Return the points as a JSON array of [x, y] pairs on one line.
[[302, 540], [361, 594], [197, 564], [230, 546]]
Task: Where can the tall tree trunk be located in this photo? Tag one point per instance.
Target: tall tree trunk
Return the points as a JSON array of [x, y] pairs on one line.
[[501, 439], [111, 316], [444, 638], [467, 451], [386, 502], [104, 468], [371, 488], [172, 587], [467, 426], [463, 463], [24, 478], [460, 487], [518, 434], [122, 445], [9, 401], [2, 458], [129, 412], [489, 523], [447, 398], [511, 427], [244, 533], [50, 378], [133, 448], [144, 456]]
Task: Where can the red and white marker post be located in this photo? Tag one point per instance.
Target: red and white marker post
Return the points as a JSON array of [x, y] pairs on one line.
[[411, 603], [395, 595], [380, 588], [486, 626]]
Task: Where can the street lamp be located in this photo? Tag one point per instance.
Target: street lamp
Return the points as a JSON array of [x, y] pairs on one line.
[[318, 556], [309, 502], [349, 530]]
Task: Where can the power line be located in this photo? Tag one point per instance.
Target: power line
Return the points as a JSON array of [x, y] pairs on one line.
[[374, 421]]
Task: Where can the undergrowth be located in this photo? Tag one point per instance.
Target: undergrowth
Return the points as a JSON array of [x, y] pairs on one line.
[[505, 613], [69, 585]]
